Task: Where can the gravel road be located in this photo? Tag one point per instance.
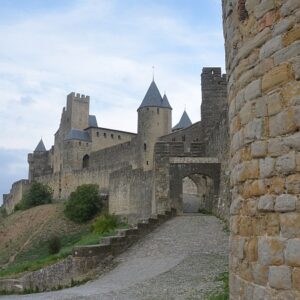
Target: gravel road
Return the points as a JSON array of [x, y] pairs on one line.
[[179, 260]]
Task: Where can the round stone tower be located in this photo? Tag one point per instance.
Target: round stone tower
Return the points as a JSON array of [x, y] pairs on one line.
[[262, 39], [154, 120]]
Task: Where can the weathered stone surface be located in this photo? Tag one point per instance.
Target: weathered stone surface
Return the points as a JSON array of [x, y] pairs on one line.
[[266, 203], [292, 184], [274, 102], [254, 130], [290, 225], [292, 253], [236, 205], [286, 164], [280, 277], [253, 90], [271, 47], [282, 123], [284, 55], [259, 149], [266, 167], [260, 273], [285, 203], [291, 36], [296, 278], [270, 251], [276, 77]]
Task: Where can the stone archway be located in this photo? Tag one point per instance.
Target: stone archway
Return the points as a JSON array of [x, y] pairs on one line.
[[201, 174], [196, 193]]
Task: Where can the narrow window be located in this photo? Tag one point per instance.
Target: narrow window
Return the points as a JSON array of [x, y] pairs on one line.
[[183, 138], [97, 133], [112, 136], [79, 143], [147, 162], [158, 111], [85, 161], [119, 137], [104, 134], [145, 147]]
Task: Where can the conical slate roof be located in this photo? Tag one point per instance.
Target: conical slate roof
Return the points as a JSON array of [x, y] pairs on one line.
[[153, 98], [184, 122], [40, 147]]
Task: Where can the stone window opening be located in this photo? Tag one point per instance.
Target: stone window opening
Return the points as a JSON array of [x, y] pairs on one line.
[[112, 136], [183, 138], [85, 161], [79, 143], [97, 133], [145, 147], [147, 162], [158, 111], [119, 137], [104, 134]]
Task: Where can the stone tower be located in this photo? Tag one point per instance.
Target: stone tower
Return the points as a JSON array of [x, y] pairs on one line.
[[214, 96], [154, 120], [74, 116], [262, 41]]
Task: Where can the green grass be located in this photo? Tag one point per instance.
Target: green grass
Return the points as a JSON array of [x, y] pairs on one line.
[[38, 257], [224, 294]]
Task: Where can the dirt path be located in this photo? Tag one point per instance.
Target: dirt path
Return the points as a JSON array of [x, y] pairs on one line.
[[179, 260]]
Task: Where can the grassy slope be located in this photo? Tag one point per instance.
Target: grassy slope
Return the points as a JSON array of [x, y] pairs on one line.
[[24, 234]]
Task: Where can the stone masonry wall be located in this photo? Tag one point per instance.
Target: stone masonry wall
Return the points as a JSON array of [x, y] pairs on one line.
[[218, 146], [262, 39], [130, 193]]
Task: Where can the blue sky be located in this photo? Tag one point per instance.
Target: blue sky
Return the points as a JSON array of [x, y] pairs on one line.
[[105, 49]]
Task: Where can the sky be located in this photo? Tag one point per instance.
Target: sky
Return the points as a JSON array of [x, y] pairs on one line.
[[102, 48]]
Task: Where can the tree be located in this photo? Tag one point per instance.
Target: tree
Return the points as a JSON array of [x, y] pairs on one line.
[[84, 203], [37, 194]]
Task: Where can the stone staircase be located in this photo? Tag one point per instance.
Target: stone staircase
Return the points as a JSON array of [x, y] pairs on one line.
[[124, 238]]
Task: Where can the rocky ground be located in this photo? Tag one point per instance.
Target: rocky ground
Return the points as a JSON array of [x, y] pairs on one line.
[[179, 260]]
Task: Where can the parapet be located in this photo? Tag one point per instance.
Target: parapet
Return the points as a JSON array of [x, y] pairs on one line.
[[78, 97], [213, 73]]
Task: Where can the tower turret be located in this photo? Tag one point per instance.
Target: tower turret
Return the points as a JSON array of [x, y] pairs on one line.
[[154, 120]]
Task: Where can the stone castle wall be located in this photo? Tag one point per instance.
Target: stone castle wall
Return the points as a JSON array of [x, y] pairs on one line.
[[263, 65], [15, 196]]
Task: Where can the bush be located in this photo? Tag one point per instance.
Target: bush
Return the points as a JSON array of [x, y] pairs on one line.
[[54, 244], [104, 223], [84, 203], [37, 194], [3, 212]]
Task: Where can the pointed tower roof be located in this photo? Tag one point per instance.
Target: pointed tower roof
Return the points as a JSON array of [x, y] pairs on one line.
[[166, 102], [184, 122], [40, 147], [153, 98]]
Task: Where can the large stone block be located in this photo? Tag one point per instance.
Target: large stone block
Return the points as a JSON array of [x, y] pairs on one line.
[[282, 123], [291, 36], [293, 184], [296, 278], [270, 251], [266, 203], [254, 130], [280, 278], [266, 167], [285, 203], [271, 47], [253, 90], [290, 225], [259, 149], [276, 77], [292, 253], [286, 164], [260, 273]]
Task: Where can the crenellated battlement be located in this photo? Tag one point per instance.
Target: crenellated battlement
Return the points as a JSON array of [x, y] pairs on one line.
[[78, 97], [213, 74]]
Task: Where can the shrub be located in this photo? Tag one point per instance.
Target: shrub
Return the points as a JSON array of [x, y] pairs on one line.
[[3, 212], [84, 203], [37, 194], [54, 244], [104, 223]]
